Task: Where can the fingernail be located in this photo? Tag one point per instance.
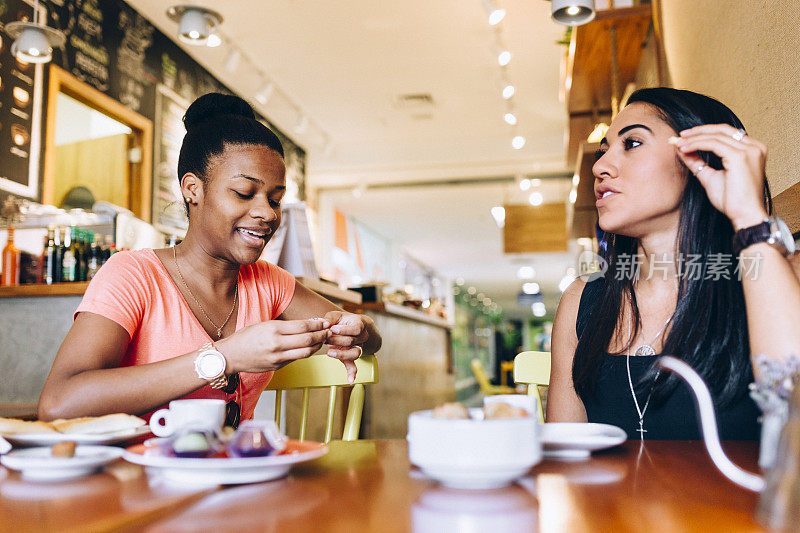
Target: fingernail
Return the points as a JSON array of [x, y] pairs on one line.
[[351, 379], [674, 140], [325, 324], [333, 353], [336, 329]]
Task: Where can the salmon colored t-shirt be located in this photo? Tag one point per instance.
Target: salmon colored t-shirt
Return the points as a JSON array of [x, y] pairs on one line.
[[134, 290]]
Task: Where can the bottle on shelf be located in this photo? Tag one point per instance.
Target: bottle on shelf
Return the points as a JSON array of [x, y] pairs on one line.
[[95, 257], [81, 254], [69, 260], [10, 260], [49, 257]]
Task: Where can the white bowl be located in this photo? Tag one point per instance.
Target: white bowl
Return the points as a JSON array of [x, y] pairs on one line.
[[475, 453]]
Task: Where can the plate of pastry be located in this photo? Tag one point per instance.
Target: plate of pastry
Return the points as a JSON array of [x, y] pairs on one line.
[[107, 429], [64, 460]]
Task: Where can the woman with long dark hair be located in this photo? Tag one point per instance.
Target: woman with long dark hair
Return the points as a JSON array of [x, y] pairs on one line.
[[696, 268], [205, 319]]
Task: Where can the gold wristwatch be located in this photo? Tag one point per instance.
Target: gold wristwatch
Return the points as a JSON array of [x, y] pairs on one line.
[[210, 365]]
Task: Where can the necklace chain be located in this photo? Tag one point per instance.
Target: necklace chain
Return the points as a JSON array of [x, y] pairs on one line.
[[235, 294], [644, 349]]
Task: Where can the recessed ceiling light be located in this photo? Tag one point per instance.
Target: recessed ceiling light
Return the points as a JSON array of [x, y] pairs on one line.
[[510, 118], [508, 91], [536, 198], [518, 142]]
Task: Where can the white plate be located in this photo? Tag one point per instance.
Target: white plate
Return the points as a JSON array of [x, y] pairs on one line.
[[39, 463], [223, 471], [48, 439], [577, 440]]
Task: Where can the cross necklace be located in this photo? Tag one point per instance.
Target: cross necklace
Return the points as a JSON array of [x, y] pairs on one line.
[[643, 350]]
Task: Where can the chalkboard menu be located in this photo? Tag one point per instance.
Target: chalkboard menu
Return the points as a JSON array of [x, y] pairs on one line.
[[113, 48], [21, 91]]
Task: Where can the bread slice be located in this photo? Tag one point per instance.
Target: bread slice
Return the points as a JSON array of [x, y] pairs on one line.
[[96, 425], [14, 426]]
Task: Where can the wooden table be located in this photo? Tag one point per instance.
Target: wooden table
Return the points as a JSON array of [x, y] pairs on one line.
[[370, 486]]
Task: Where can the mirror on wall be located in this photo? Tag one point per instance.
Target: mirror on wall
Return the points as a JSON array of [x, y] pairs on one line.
[[96, 149], [91, 160]]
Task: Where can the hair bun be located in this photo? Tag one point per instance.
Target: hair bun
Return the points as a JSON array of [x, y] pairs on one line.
[[213, 105]]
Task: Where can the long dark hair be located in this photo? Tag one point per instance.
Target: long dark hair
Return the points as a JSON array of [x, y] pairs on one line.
[[709, 327], [214, 121]]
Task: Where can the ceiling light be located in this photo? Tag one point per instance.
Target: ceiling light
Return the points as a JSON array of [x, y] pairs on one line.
[[573, 195], [536, 198], [530, 288], [195, 23], [510, 118], [536, 182], [508, 91], [504, 58], [518, 142], [598, 133], [495, 13], [572, 12], [539, 309], [213, 41], [576, 179], [265, 93], [34, 42], [232, 61], [499, 215], [526, 272], [525, 184], [302, 125]]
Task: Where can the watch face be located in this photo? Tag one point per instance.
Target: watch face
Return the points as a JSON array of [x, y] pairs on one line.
[[785, 235], [211, 364]]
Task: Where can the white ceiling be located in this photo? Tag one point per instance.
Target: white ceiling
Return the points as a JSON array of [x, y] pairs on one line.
[[344, 63]]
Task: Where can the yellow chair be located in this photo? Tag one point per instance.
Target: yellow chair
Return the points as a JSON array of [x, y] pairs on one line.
[[487, 389], [322, 371], [533, 369]]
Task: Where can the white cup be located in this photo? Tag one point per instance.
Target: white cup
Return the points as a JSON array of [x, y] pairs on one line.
[[188, 414]]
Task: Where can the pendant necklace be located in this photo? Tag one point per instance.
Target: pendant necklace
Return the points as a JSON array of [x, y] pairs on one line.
[[643, 350]]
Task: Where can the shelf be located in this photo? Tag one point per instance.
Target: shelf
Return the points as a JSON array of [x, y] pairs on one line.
[[584, 214], [589, 66], [329, 290], [56, 289]]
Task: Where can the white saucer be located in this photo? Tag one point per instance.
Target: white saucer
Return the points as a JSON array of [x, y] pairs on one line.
[[223, 470], [570, 440], [39, 463], [48, 439]]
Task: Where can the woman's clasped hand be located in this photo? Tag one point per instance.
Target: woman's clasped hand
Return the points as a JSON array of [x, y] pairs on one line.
[[273, 344]]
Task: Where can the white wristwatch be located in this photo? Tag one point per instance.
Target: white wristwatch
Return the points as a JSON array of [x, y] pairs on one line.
[[210, 365]]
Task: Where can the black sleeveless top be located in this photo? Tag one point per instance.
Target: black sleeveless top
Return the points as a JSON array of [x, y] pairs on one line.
[[674, 418]]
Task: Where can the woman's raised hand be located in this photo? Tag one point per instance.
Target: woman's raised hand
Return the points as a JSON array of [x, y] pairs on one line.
[[348, 331], [738, 189], [273, 344]]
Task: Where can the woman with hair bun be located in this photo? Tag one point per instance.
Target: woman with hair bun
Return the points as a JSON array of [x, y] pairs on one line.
[[158, 325]]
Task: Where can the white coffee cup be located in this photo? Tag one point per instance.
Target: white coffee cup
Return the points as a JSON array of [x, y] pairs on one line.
[[188, 414]]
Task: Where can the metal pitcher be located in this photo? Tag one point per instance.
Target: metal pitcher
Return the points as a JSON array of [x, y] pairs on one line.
[[779, 503]]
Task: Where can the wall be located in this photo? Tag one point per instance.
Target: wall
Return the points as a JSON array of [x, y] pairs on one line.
[[745, 54]]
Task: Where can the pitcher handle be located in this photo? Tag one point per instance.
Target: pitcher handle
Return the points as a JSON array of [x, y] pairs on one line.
[[708, 423]]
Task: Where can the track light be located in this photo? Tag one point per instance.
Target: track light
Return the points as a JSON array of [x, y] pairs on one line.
[[573, 12], [34, 42], [195, 23], [495, 13], [265, 93]]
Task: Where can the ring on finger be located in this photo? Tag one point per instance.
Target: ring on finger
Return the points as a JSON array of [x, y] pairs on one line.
[[739, 135]]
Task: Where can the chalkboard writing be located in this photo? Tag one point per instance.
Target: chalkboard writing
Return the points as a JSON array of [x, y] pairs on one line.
[[21, 88]]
